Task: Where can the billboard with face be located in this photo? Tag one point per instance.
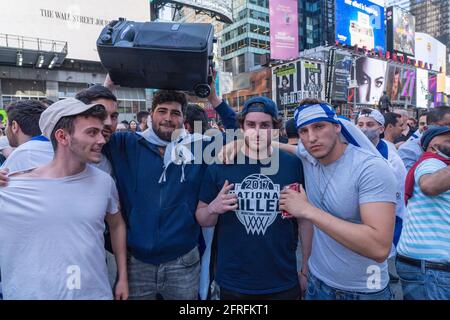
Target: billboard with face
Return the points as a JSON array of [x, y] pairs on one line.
[[431, 51], [361, 22], [401, 84], [370, 76], [294, 81]]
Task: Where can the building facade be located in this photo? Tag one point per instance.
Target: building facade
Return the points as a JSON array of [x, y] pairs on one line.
[[48, 50], [245, 44]]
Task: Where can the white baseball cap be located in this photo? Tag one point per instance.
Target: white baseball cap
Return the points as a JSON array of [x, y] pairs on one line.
[[63, 108], [375, 114]]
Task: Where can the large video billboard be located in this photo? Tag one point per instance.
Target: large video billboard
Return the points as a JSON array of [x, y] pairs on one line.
[[431, 51], [361, 22], [283, 29], [401, 29], [422, 88], [370, 80], [222, 8], [341, 78], [79, 22], [296, 80], [401, 84]]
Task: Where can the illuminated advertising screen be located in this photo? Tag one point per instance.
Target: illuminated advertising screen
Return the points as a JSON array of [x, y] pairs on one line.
[[221, 8], [283, 29], [296, 80], [78, 23], [401, 85], [422, 88], [370, 80], [401, 29], [341, 78], [361, 23]]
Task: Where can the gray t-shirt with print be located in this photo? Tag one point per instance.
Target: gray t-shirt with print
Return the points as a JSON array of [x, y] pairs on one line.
[[339, 188]]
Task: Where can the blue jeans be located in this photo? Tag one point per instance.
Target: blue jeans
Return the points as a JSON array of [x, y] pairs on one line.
[[173, 280], [420, 283], [318, 290]]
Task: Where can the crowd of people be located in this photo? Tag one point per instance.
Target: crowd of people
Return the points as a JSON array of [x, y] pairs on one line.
[[166, 207]]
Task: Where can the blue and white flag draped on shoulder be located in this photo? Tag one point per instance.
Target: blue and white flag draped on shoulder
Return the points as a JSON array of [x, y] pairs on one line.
[[177, 152], [312, 113]]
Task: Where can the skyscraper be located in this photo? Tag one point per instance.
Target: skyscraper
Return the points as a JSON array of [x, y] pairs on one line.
[[246, 42]]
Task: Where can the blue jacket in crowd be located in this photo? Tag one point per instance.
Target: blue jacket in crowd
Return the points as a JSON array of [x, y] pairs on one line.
[[160, 217]]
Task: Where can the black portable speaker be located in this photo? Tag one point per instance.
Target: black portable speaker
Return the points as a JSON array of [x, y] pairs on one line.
[[159, 55]]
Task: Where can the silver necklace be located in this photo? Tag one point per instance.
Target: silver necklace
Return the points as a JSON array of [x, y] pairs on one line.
[[322, 173]]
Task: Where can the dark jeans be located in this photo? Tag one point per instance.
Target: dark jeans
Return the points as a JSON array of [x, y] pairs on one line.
[[291, 294]]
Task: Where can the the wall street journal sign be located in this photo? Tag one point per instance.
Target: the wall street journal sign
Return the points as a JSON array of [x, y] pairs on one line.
[[78, 22]]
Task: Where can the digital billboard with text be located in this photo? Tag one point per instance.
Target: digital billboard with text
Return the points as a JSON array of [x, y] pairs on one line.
[[283, 29], [361, 23]]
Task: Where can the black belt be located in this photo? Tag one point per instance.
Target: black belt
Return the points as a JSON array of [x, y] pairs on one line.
[[428, 264]]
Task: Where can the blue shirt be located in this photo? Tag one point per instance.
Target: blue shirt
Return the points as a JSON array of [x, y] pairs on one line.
[[256, 247], [426, 231]]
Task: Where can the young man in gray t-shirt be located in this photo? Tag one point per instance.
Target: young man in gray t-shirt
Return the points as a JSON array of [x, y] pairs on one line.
[[351, 203]]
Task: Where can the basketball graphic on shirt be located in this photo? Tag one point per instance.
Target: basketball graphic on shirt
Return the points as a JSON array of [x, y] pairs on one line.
[[258, 200]]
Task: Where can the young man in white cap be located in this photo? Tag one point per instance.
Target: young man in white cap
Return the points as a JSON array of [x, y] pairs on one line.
[[371, 123], [256, 257], [350, 204], [51, 235]]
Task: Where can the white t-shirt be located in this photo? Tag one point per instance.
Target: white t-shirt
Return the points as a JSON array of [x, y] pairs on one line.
[[400, 175], [103, 165], [31, 154], [51, 236]]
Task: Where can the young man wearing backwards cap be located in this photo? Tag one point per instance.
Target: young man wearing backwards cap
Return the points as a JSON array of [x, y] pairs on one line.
[[51, 235], [371, 123], [350, 203], [256, 246], [423, 260]]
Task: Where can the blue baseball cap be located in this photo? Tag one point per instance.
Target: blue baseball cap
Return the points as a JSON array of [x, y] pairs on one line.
[[430, 133], [260, 104]]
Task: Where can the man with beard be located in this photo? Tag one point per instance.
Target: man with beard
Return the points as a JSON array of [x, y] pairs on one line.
[[158, 179], [51, 235], [423, 260]]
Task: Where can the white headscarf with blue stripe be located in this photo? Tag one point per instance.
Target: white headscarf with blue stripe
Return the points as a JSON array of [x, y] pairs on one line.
[[312, 113]]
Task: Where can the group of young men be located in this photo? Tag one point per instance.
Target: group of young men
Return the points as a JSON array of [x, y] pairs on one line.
[[196, 208]]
